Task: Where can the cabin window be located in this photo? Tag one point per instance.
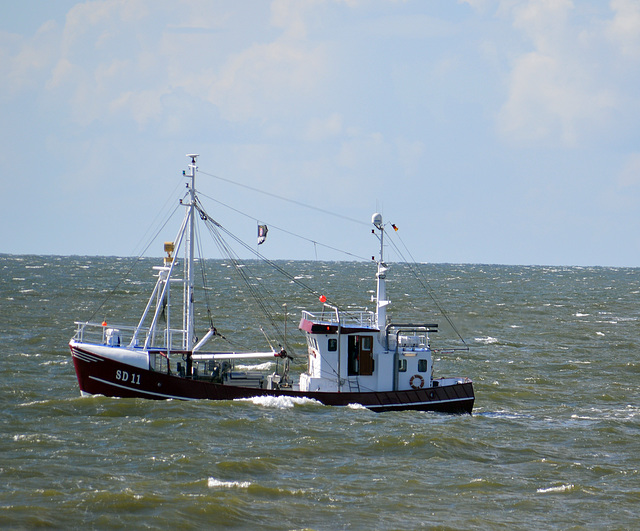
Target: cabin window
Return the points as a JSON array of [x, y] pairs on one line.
[[333, 345], [422, 365], [402, 365]]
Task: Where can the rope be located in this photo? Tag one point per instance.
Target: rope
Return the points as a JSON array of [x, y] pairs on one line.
[[292, 201], [272, 226], [419, 275], [133, 264]]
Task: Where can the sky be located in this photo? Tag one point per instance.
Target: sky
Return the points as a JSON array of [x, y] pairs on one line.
[[487, 131]]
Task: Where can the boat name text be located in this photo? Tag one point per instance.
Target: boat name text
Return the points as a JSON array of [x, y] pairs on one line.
[[124, 376]]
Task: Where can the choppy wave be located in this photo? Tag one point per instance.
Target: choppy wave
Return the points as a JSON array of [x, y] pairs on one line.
[[555, 417]]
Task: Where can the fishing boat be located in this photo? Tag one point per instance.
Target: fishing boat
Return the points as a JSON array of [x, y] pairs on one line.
[[353, 358]]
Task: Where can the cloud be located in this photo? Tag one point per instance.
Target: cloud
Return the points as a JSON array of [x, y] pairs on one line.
[[551, 99], [320, 129], [337, 101], [359, 147], [24, 61], [629, 177], [291, 15], [111, 61], [268, 80], [569, 86], [624, 28], [410, 155]]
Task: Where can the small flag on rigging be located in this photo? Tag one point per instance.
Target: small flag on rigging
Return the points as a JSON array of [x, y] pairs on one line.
[[262, 233], [394, 227]]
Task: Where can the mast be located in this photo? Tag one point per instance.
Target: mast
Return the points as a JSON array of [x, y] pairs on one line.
[[189, 334], [381, 291]]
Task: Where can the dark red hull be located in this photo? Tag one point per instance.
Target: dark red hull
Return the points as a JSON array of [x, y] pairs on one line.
[[101, 376]]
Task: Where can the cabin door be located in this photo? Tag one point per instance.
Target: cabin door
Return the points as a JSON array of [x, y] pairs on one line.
[[366, 355], [360, 350]]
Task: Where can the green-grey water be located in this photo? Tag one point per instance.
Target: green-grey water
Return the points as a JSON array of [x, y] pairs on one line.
[[553, 442]]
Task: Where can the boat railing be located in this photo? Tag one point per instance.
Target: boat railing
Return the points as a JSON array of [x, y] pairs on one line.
[[122, 335], [330, 315], [102, 333], [408, 336]]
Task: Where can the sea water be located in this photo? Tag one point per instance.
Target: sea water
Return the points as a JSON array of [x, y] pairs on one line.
[[554, 441]]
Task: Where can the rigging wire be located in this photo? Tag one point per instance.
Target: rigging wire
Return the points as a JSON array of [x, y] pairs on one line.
[[170, 199], [205, 287], [272, 226], [422, 280], [133, 263], [417, 272], [241, 269], [292, 201], [278, 268]]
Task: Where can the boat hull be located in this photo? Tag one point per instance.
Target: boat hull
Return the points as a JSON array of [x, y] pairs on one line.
[[99, 375]]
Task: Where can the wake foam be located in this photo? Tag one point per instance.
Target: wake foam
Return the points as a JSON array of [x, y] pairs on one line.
[[279, 402], [259, 367]]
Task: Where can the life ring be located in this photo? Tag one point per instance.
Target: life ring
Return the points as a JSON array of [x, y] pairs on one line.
[[413, 379]]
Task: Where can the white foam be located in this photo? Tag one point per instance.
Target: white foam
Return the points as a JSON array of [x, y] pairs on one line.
[[278, 402], [259, 367], [561, 488], [486, 340], [213, 483]]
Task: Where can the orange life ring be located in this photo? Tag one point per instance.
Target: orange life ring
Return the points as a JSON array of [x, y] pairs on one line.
[[413, 379]]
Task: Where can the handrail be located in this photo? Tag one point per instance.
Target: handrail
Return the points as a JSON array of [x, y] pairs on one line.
[[363, 318]]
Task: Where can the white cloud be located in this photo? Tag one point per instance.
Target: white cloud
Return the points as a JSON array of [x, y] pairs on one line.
[[410, 155], [566, 88], [624, 28], [268, 80], [370, 147], [290, 15], [23, 61], [320, 129], [551, 98], [350, 94], [107, 61], [630, 174]]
